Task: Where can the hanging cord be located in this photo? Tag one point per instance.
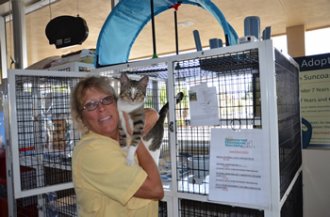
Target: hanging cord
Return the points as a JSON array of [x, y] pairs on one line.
[[50, 10], [77, 8], [153, 29], [176, 7]]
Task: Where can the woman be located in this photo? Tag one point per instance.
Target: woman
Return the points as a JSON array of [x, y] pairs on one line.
[[104, 184]]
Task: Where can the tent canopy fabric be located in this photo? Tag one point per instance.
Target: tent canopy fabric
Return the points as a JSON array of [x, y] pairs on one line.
[[128, 18]]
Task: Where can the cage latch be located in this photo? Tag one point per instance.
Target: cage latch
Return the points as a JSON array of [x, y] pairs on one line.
[[171, 126]]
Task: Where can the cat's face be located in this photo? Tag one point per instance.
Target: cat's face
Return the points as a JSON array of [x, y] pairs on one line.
[[133, 91]]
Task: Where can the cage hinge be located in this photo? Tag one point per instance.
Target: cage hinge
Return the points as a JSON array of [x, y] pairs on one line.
[[171, 126]]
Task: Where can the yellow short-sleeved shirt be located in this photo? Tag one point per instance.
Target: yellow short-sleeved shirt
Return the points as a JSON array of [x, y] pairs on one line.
[[104, 183]]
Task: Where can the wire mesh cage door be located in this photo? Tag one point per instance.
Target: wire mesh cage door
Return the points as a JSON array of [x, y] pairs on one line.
[[230, 85], [42, 135]]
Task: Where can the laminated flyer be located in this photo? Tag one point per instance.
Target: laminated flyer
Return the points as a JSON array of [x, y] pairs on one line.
[[204, 108], [239, 167]]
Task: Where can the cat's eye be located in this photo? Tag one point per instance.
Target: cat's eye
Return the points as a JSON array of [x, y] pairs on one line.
[[92, 105]]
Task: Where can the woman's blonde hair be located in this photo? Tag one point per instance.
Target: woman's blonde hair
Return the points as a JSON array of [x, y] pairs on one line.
[[100, 83]]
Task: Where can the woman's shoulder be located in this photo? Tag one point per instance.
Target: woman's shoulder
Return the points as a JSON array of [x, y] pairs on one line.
[[97, 137], [92, 144], [92, 140]]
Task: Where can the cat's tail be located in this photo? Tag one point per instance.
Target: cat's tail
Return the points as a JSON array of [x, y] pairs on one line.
[[164, 110], [155, 136], [179, 97]]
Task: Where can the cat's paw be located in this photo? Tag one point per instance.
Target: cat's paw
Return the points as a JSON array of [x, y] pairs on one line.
[[125, 149], [130, 161], [131, 155]]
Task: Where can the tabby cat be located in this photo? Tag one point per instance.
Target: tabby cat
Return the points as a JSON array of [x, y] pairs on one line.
[[131, 101]]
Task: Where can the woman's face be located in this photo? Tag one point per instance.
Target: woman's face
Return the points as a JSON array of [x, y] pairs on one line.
[[104, 119]]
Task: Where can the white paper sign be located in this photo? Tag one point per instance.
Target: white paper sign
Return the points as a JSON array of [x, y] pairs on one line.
[[203, 105], [239, 167]]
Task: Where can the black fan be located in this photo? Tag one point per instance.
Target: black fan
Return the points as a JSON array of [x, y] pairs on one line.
[[64, 31]]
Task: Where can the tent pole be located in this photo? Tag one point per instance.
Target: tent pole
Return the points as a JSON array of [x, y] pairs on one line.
[[176, 7], [176, 32], [153, 29]]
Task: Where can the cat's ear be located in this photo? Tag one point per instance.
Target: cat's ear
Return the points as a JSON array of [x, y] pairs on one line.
[[144, 81], [123, 79]]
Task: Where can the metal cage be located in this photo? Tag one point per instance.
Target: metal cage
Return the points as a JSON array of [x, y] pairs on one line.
[[255, 86]]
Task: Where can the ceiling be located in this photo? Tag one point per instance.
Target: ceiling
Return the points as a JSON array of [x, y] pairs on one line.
[[279, 14]]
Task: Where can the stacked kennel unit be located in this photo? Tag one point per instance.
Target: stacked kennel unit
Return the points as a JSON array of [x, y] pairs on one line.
[[41, 138], [256, 89]]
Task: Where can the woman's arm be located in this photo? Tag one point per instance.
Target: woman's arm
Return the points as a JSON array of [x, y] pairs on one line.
[[152, 187]]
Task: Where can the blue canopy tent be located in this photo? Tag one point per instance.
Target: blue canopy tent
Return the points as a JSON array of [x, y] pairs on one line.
[[128, 18]]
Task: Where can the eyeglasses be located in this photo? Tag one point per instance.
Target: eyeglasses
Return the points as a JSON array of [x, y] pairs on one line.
[[92, 105]]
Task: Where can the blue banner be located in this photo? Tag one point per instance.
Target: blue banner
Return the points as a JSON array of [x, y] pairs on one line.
[[306, 63]]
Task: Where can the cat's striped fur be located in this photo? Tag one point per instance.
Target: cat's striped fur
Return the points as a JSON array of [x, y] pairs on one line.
[[131, 102]]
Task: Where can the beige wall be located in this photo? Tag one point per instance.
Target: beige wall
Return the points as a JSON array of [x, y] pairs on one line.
[[296, 40]]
